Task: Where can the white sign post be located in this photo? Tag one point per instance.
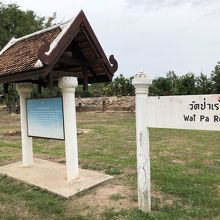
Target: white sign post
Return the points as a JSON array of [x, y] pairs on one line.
[[141, 84], [198, 112]]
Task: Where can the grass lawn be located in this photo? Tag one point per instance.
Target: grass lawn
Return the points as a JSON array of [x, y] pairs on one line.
[[185, 167]]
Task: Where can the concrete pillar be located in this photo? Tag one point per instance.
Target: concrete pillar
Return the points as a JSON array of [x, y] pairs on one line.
[[24, 91], [68, 85], [141, 84]]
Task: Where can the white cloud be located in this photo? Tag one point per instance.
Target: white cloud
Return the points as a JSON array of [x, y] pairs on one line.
[[158, 4]]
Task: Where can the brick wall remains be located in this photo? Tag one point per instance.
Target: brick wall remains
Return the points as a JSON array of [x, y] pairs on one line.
[[114, 103]]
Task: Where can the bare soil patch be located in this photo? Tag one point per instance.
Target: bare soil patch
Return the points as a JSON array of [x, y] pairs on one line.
[[178, 161], [101, 197], [83, 131], [218, 189], [12, 133]]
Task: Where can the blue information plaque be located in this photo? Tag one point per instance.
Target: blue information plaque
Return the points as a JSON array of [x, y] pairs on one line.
[[45, 118]]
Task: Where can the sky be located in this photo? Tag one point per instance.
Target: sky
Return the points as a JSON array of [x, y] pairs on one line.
[[155, 36]]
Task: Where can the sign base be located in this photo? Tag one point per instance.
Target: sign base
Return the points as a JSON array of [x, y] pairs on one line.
[[51, 176]]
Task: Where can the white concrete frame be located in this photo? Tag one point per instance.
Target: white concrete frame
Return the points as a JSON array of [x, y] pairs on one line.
[[68, 86], [24, 91], [142, 84]]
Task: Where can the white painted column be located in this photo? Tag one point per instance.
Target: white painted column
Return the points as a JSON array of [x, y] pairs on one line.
[[68, 85], [141, 84], [24, 91]]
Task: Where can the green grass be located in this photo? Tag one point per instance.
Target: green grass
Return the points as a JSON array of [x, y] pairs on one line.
[[185, 172], [116, 197]]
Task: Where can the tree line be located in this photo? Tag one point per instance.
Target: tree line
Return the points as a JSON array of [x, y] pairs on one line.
[[170, 84], [187, 84]]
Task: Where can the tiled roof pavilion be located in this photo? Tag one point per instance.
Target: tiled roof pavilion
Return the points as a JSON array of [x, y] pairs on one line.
[[68, 49]]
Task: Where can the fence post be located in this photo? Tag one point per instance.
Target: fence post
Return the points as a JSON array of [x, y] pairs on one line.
[[141, 84]]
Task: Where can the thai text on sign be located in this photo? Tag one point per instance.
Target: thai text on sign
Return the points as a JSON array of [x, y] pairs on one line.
[[200, 112]]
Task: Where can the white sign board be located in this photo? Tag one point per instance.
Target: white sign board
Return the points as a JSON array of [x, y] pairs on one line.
[[199, 112], [45, 118]]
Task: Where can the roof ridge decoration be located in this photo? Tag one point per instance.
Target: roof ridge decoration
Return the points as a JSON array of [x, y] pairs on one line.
[[8, 45], [15, 40]]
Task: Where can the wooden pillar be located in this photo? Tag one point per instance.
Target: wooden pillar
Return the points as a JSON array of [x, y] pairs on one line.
[[85, 79]]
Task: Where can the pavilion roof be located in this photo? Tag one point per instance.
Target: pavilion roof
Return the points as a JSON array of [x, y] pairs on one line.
[[67, 49]]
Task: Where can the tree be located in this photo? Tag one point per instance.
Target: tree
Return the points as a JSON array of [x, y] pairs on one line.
[[122, 86], [161, 86], [129, 87], [215, 77], [203, 84], [164, 85], [100, 89], [107, 89], [173, 78], [1, 89], [186, 85], [12, 98], [17, 23], [118, 84]]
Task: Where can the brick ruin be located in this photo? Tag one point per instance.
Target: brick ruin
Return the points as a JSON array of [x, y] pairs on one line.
[[114, 103]]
